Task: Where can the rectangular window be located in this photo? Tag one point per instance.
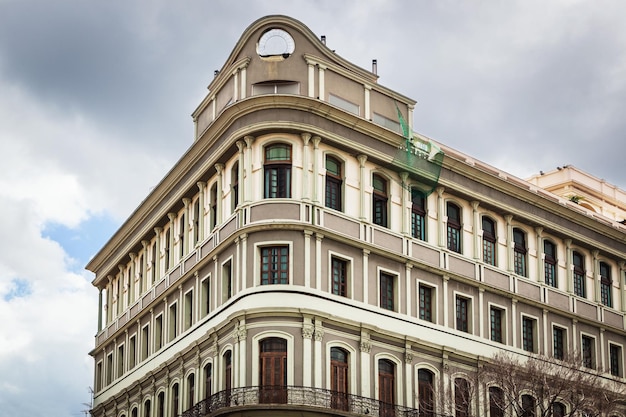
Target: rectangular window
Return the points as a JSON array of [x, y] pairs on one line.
[[120, 361], [343, 104], [158, 332], [496, 324], [462, 314], [275, 265], [227, 280], [426, 303], [132, 352], [579, 274], [386, 122], [340, 279], [98, 377], [109, 369], [206, 297], [418, 215], [528, 334], [587, 348], [188, 309], [387, 291], [606, 284], [173, 322], [558, 343], [145, 342], [615, 360]]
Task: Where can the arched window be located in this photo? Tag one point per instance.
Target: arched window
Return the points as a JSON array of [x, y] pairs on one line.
[[191, 390], [208, 380], [605, 284], [386, 387], [529, 406], [579, 274], [379, 200], [462, 399], [234, 184], [133, 412], [175, 399], [213, 214], [549, 253], [489, 241], [196, 220], [161, 404], [426, 392], [558, 410], [339, 378], [166, 249], [334, 181], [273, 370], [519, 252], [147, 408], [496, 402], [418, 214], [181, 236], [228, 373], [453, 227], [277, 171]]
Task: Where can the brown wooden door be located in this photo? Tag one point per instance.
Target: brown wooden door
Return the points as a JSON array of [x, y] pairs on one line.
[[339, 378], [273, 370], [386, 384]]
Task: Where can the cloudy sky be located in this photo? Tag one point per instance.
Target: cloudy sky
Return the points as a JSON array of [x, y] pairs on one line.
[[95, 104]]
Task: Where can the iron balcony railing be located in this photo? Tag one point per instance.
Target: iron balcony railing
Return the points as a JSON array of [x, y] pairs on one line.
[[278, 396]]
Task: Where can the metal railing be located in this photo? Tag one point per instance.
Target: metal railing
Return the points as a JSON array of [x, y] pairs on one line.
[[278, 396]]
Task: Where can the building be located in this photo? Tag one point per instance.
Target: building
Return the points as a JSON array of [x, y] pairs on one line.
[[307, 254]]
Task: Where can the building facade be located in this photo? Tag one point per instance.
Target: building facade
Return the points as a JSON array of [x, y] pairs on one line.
[[289, 262]]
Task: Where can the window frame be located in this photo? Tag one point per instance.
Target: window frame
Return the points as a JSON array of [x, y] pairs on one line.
[[550, 263], [333, 182], [559, 342], [267, 252], [418, 214], [496, 329], [579, 274], [529, 336], [490, 240], [616, 360], [387, 280], [346, 282], [520, 252], [606, 283], [588, 351], [454, 228], [380, 200], [277, 170], [427, 307], [463, 313]]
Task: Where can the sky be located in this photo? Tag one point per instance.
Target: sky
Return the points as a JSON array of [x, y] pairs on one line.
[[95, 104]]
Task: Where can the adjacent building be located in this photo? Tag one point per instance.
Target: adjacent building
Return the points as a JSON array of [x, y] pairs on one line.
[[309, 254]]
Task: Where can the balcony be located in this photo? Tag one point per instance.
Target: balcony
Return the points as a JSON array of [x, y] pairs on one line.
[[290, 397]]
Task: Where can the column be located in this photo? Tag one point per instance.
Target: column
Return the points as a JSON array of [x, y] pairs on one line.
[[307, 258], [311, 78], [242, 333], [441, 227], [408, 375], [201, 187], [307, 335], [409, 119], [545, 326], [365, 347], [514, 322], [444, 294], [244, 260], [476, 229], [156, 263], [247, 180], [509, 243], [622, 290], [318, 259], [318, 335], [99, 309], [367, 113], [120, 289], [596, 276], [170, 260], [241, 146], [244, 72], [541, 257], [109, 315], [144, 267], [366, 254], [569, 266], [131, 278], [406, 203], [481, 314], [321, 81], [306, 137], [219, 168], [407, 271], [362, 182], [235, 85], [186, 217], [316, 168]]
